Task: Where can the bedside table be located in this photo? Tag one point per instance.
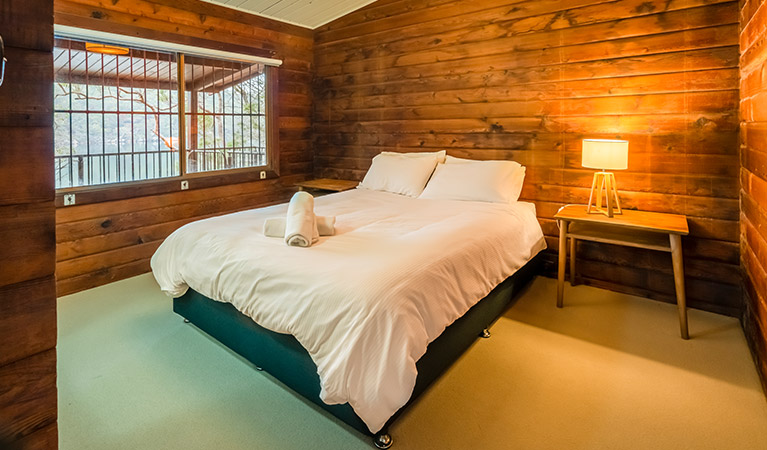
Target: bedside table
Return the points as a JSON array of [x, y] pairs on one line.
[[655, 231], [327, 184]]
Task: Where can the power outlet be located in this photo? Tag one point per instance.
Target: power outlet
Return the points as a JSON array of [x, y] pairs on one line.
[[263, 174], [184, 185], [69, 199]]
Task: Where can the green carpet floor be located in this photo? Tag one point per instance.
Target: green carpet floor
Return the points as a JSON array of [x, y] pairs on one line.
[[607, 371]]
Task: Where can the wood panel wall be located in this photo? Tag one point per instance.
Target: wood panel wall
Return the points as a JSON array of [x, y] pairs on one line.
[[102, 242], [27, 254], [753, 175], [528, 80]]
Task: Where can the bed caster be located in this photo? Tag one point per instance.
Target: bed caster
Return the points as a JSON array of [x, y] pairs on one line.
[[186, 320], [383, 440], [485, 334]]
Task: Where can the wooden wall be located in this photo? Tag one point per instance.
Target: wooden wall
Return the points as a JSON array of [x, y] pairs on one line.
[[753, 175], [102, 242], [27, 288], [528, 80]]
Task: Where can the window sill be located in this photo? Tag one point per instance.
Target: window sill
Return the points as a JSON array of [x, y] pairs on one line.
[[120, 191]]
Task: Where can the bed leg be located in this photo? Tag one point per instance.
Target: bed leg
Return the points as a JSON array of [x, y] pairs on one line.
[[383, 440], [485, 334], [186, 320]]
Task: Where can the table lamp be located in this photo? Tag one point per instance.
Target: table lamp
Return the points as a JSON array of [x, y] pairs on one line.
[[604, 154]]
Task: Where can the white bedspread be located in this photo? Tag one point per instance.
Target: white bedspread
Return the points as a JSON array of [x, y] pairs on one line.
[[366, 302]]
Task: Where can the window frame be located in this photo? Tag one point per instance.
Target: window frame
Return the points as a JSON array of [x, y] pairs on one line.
[[198, 180]]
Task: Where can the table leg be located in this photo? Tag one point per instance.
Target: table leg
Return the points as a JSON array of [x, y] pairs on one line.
[[572, 261], [681, 301], [562, 258]]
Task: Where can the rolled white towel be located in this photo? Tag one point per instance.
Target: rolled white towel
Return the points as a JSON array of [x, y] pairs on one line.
[[275, 226], [300, 223]]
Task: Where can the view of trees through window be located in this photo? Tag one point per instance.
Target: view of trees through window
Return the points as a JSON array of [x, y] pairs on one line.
[[116, 117], [226, 119]]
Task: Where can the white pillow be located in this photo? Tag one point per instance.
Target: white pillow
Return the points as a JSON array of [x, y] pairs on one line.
[[453, 160], [519, 176], [393, 172], [484, 181], [440, 155]]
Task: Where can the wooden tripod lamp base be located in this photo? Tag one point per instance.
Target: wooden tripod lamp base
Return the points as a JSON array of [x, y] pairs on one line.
[[604, 154], [604, 185]]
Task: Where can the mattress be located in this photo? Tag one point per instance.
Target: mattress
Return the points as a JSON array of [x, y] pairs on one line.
[[366, 302]]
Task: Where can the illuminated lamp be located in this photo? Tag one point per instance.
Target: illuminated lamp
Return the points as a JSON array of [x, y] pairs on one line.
[[604, 154]]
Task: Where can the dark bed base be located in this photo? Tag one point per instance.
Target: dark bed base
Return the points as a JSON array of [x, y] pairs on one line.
[[284, 358]]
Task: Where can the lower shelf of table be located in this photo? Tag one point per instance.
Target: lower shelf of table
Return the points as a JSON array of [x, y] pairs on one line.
[[619, 236]]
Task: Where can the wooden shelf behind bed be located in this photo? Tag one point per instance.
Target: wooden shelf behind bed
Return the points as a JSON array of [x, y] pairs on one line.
[[327, 184]]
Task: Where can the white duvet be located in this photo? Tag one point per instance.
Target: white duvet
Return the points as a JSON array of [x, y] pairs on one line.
[[366, 302]]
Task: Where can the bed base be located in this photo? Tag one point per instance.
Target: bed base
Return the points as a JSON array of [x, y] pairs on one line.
[[284, 358]]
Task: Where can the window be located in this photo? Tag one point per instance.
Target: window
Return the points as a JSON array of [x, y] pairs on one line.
[[125, 114], [226, 118]]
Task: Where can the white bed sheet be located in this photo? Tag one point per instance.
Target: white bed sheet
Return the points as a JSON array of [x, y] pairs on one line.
[[366, 302]]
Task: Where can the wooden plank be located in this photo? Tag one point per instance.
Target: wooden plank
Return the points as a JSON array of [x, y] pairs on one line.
[[533, 34], [640, 220], [15, 22], [610, 235], [492, 72], [112, 241], [28, 395], [28, 231], [434, 20], [32, 105], [328, 184], [471, 54], [101, 277], [509, 89], [175, 28], [703, 102], [110, 223], [81, 212], [696, 266], [43, 439], [28, 324], [103, 260], [25, 155]]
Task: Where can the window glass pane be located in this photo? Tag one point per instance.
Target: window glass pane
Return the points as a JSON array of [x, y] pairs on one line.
[[115, 115], [225, 98]]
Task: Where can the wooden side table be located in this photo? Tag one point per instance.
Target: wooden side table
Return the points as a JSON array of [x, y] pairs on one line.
[[327, 184], [655, 231]]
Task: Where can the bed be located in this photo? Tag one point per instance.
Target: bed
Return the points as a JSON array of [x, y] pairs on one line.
[[347, 322]]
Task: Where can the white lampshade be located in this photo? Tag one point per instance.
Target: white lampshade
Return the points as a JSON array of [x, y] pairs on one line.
[[605, 154]]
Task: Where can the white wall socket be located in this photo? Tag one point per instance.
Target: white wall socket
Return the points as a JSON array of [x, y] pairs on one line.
[[263, 174], [69, 199], [184, 185]]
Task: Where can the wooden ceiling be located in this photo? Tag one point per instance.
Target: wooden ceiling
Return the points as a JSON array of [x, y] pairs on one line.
[[306, 13]]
